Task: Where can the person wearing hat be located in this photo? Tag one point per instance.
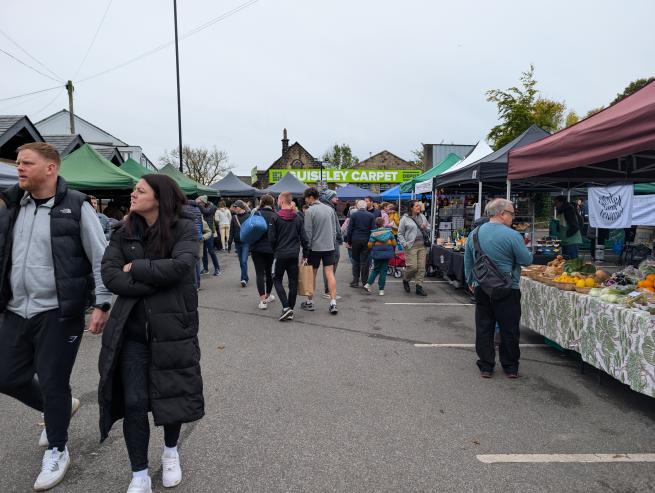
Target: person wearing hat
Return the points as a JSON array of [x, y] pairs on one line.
[[238, 217], [330, 198], [208, 250]]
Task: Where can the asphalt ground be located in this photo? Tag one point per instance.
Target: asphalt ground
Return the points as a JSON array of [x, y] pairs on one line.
[[350, 403]]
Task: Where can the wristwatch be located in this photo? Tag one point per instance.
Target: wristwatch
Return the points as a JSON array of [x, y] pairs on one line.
[[103, 306]]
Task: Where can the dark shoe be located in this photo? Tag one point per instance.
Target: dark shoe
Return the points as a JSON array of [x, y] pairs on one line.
[[217, 272], [486, 374], [354, 284], [333, 309], [244, 284], [406, 286], [287, 314], [305, 305], [419, 291], [204, 271], [367, 288]]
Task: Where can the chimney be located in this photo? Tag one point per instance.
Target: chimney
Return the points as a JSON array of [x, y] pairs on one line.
[[285, 142]]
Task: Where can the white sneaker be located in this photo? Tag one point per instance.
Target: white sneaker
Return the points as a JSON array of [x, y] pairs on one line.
[[367, 288], [381, 293], [140, 485], [262, 305], [75, 406], [270, 298], [53, 469], [171, 470], [326, 296]]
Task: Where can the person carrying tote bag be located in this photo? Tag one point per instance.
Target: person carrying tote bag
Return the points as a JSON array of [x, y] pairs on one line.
[[413, 236]]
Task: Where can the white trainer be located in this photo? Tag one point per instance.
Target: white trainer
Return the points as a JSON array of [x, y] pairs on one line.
[[262, 305], [171, 470], [381, 293], [140, 485], [75, 406], [53, 469], [270, 298]]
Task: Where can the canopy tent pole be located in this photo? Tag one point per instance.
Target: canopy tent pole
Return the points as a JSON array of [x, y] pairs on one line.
[[479, 201], [432, 218], [568, 195], [509, 189]]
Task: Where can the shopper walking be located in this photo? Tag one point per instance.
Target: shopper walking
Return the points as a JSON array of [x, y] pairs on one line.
[[51, 246], [320, 228], [223, 217], [150, 359], [414, 237], [261, 252], [382, 244], [240, 215], [286, 233], [370, 207], [506, 248], [569, 227], [330, 198], [208, 250], [362, 222]]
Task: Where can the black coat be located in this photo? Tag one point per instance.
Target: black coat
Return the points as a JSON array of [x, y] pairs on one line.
[[360, 226], [287, 236], [262, 245], [167, 288]]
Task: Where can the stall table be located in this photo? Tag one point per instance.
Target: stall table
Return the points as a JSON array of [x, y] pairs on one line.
[[449, 263]]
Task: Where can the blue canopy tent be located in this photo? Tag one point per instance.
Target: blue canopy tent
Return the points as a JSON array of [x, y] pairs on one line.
[[352, 192], [394, 194]]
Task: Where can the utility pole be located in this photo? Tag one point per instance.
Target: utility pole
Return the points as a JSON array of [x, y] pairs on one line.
[[177, 70], [70, 89]]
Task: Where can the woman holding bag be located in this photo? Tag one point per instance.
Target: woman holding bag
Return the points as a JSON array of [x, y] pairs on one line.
[[150, 356], [414, 237]]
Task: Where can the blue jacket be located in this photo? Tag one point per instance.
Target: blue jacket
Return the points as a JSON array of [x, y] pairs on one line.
[[382, 244], [360, 226]]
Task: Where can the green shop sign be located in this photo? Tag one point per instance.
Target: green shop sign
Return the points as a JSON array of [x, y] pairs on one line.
[[313, 175]]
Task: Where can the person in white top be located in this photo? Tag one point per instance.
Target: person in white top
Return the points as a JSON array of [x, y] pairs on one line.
[[223, 217]]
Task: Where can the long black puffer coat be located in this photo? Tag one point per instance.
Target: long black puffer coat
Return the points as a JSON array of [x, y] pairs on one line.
[[171, 302]]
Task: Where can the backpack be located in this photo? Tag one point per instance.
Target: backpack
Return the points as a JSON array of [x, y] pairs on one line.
[[253, 228], [495, 283]]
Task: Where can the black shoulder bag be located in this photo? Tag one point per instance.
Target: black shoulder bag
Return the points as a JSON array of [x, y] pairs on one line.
[[424, 234], [495, 283]]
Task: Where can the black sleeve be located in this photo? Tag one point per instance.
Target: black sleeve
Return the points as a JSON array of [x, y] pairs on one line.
[[272, 233], [304, 242], [571, 220], [117, 281]]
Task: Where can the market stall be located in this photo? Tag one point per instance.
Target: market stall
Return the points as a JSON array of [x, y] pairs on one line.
[[187, 185], [450, 263], [232, 186], [86, 170]]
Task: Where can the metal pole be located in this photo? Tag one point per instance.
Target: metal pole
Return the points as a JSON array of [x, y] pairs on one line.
[[479, 200], [71, 112], [177, 71], [509, 189]]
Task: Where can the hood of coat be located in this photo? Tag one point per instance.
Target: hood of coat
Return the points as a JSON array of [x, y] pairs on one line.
[[287, 214]]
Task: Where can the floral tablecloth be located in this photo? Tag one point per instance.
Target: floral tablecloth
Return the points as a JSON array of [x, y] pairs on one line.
[[618, 340]]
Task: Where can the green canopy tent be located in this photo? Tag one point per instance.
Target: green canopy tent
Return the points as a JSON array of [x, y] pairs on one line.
[[442, 167], [643, 188], [135, 169], [85, 169], [188, 186]]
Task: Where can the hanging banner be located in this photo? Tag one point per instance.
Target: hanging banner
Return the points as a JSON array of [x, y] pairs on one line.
[[611, 207], [643, 210], [346, 175], [423, 186]]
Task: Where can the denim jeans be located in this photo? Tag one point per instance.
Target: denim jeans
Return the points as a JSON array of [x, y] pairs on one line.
[[242, 250], [570, 251], [208, 250]]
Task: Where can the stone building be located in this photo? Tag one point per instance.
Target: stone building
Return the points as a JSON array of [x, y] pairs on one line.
[[384, 160]]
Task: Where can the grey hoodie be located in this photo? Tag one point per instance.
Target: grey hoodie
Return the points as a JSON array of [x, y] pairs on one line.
[[408, 231], [320, 226]]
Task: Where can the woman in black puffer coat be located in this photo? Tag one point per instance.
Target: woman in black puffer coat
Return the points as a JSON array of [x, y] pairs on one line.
[[150, 356], [262, 255]]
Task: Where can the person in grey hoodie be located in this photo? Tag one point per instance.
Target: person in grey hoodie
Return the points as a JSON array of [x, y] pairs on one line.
[[321, 230], [51, 246], [411, 232], [330, 198]]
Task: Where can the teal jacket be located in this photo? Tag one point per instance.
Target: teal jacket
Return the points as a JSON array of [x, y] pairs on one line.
[[382, 244]]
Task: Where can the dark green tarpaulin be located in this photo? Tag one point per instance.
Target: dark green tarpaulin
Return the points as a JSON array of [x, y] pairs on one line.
[[448, 162], [645, 188], [188, 186], [135, 169], [85, 169]]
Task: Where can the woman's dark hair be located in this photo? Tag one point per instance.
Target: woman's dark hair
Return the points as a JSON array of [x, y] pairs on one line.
[[171, 202], [221, 203], [411, 204], [266, 201]]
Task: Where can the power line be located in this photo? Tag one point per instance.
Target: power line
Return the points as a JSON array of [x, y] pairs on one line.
[[34, 113], [29, 93], [29, 66], [166, 45], [30, 55], [93, 40]]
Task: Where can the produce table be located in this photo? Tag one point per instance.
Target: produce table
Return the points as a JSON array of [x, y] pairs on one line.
[[450, 263], [617, 340]]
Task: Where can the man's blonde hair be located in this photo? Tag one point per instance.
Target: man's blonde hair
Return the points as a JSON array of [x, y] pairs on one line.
[[44, 150]]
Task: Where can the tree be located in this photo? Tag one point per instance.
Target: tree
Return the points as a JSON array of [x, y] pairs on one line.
[[631, 88], [340, 157], [518, 108], [571, 119], [593, 111], [419, 157], [202, 165]]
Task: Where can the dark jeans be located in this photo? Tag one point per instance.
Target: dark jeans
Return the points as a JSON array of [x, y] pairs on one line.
[[242, 250], [135, 365], [507, 313], [360, 260], [379, 268], [570, 251], [337, 255], [290, 266], [208, 247], [47, 345], [264, 271]]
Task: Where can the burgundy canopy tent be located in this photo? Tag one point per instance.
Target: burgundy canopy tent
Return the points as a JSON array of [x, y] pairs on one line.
[[615, 145]]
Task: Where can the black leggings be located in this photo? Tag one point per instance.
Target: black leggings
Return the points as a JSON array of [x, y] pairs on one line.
[[264, 270], [134, 364], [290, 266]]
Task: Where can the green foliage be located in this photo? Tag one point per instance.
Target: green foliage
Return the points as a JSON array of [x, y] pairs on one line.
[[631, 88], [340, 157], [593, 111], [571, 119], [419, 157], [520, 107]]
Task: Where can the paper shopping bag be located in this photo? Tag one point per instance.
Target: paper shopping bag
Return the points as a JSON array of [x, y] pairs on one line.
[[305, 280]]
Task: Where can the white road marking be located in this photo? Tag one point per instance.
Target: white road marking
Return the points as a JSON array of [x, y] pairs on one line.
[[432, 304], [472, 345], [545, 458]]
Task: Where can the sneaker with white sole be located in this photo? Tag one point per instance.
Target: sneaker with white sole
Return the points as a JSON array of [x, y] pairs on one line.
[[306, 305], [367, 288], [381, 293], [326, 296], [262, 305], [75, 406], [140, 485], [244, 284], [53, 469], [333, 309], [171, 470], [287, 314], [270, 299]]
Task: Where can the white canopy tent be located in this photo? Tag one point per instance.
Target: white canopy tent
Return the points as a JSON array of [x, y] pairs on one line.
[[480, 150]]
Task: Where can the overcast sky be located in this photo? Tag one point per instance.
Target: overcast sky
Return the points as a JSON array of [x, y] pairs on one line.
[[375, 74]]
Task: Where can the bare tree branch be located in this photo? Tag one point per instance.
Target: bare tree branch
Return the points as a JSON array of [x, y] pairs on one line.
[[202, 165]]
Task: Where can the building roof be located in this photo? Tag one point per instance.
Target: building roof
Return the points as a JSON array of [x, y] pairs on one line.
[[65, 113], [370, 158], [16, 130], [110, 153], [65, 144]]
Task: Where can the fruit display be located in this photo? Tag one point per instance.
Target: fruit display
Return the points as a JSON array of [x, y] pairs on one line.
[[555, 267], [647, 284], [579, 265]]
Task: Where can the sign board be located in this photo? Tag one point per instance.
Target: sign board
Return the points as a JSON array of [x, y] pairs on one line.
[[611, 207], [313, 175], [423, 186]]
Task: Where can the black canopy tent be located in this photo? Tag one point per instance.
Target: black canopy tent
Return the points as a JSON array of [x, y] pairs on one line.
[[232, 186], [288, 183]]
